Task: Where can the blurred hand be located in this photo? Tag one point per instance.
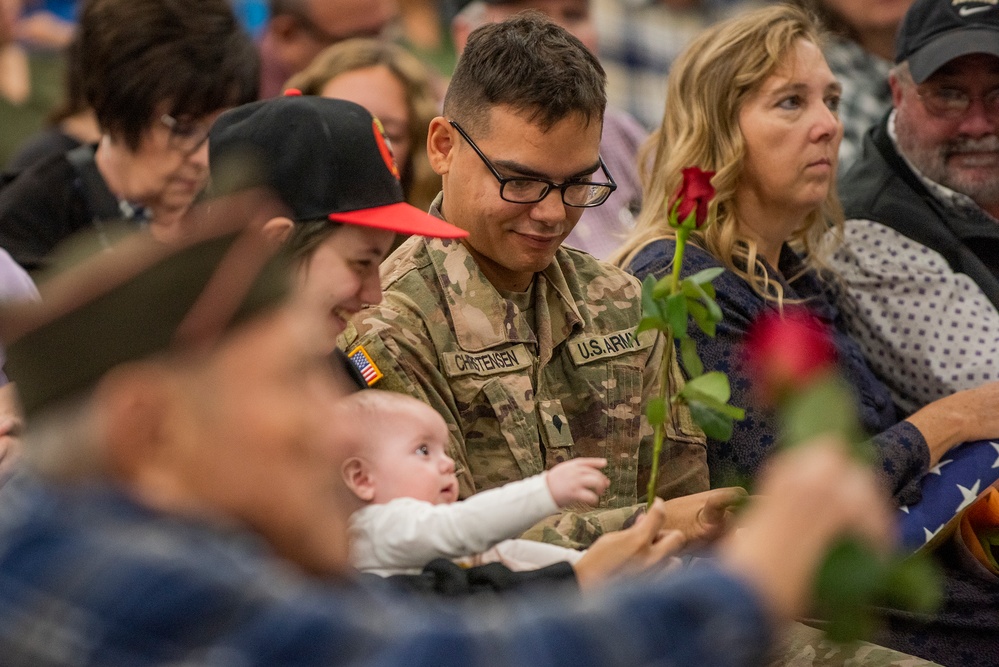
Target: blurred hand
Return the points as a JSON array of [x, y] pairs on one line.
[[11, 426], [704, 516], [645, 545], [809, 496], [45, 29], [10, 10], [10, 442], [577, 481]]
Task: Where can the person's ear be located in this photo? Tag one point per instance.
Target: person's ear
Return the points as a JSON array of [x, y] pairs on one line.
[[277, 230], [440, 145], [135, 402], [896, 85], [357, 476]]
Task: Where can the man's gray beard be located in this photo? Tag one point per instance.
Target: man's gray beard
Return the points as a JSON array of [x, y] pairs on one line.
[[932, 162]]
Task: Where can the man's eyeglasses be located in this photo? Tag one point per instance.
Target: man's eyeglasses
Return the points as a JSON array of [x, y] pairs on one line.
[[185, 136], [528, 190], [953, 102]]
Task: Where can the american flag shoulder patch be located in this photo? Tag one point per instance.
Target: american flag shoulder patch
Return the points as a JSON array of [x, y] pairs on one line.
[[367, 368]]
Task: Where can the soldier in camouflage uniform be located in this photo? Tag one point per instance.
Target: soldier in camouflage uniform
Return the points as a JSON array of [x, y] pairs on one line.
[[528, 349], [525, 347]]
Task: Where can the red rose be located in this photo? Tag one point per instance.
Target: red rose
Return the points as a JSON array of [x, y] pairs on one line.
[[694, 194], [786, 354]]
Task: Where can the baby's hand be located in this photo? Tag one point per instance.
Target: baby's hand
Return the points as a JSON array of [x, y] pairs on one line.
[[577, 481]]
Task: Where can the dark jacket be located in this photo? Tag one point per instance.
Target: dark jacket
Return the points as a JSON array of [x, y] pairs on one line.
[[881, 187]]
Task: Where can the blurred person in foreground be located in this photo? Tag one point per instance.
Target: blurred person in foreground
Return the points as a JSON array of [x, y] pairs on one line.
[[179, 505], [156, 74]]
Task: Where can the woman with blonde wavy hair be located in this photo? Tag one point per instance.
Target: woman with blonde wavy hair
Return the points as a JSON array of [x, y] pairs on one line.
[[754, 100], [397, 88]]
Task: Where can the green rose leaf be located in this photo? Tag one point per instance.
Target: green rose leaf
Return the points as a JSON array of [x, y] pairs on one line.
[[655, 410], [653, 315], [826, 406], [846, 584], [915, 584], [676, 314], [688, 354], [713, 385], [650, 323], [705, 276], [701, 316], [714, 311], [661, 288], [714, 424]]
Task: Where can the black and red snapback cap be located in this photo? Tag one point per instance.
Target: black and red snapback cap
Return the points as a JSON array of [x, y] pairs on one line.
[[326, 158]]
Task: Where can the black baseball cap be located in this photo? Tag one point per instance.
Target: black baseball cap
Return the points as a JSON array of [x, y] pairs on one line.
[[934, 32], [326, 158]]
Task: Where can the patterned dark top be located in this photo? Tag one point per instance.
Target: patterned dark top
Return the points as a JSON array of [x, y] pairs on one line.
[[903, 451]]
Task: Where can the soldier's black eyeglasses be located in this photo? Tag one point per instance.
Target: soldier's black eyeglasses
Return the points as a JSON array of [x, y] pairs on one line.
[[529, 190]]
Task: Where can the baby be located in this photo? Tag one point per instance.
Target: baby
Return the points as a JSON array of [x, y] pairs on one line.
[[406, 494]]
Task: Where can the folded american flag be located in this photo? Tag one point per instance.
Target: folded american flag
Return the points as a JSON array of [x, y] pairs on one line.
[[963, 474]]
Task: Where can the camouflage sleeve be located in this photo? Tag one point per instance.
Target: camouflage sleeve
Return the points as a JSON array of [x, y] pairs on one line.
[[401, 348], [684, 462], [578, 530]]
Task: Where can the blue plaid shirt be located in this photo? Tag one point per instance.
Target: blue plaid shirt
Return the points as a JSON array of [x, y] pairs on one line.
[[89, 577]]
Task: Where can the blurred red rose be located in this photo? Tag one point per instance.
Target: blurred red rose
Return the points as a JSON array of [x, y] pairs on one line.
[[694, 194], [786, 354]]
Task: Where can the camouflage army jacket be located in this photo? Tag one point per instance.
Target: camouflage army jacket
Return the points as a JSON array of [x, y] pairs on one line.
[[519, 399]]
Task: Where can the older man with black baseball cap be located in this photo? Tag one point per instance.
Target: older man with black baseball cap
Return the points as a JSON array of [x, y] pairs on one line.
[[920, 260], [922, 209]]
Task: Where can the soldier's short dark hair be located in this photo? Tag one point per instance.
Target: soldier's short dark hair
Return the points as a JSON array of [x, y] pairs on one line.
[[138, 55], [529, 64]]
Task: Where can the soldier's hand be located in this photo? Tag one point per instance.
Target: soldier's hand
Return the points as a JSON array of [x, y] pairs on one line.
[[577, 481], [645, 545], [704, 516]]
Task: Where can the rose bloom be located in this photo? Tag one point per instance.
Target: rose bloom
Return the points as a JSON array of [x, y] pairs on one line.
[[694, 194], [786, 353]]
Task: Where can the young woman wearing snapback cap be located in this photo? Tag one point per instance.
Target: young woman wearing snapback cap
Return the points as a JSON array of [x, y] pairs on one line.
[[329, 162]]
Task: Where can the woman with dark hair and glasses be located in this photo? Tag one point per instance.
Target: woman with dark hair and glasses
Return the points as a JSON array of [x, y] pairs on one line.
[[156, 75]]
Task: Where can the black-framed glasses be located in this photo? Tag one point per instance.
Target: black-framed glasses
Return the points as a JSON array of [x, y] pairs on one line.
[[185, 136], [530, 190], [954, 102]]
